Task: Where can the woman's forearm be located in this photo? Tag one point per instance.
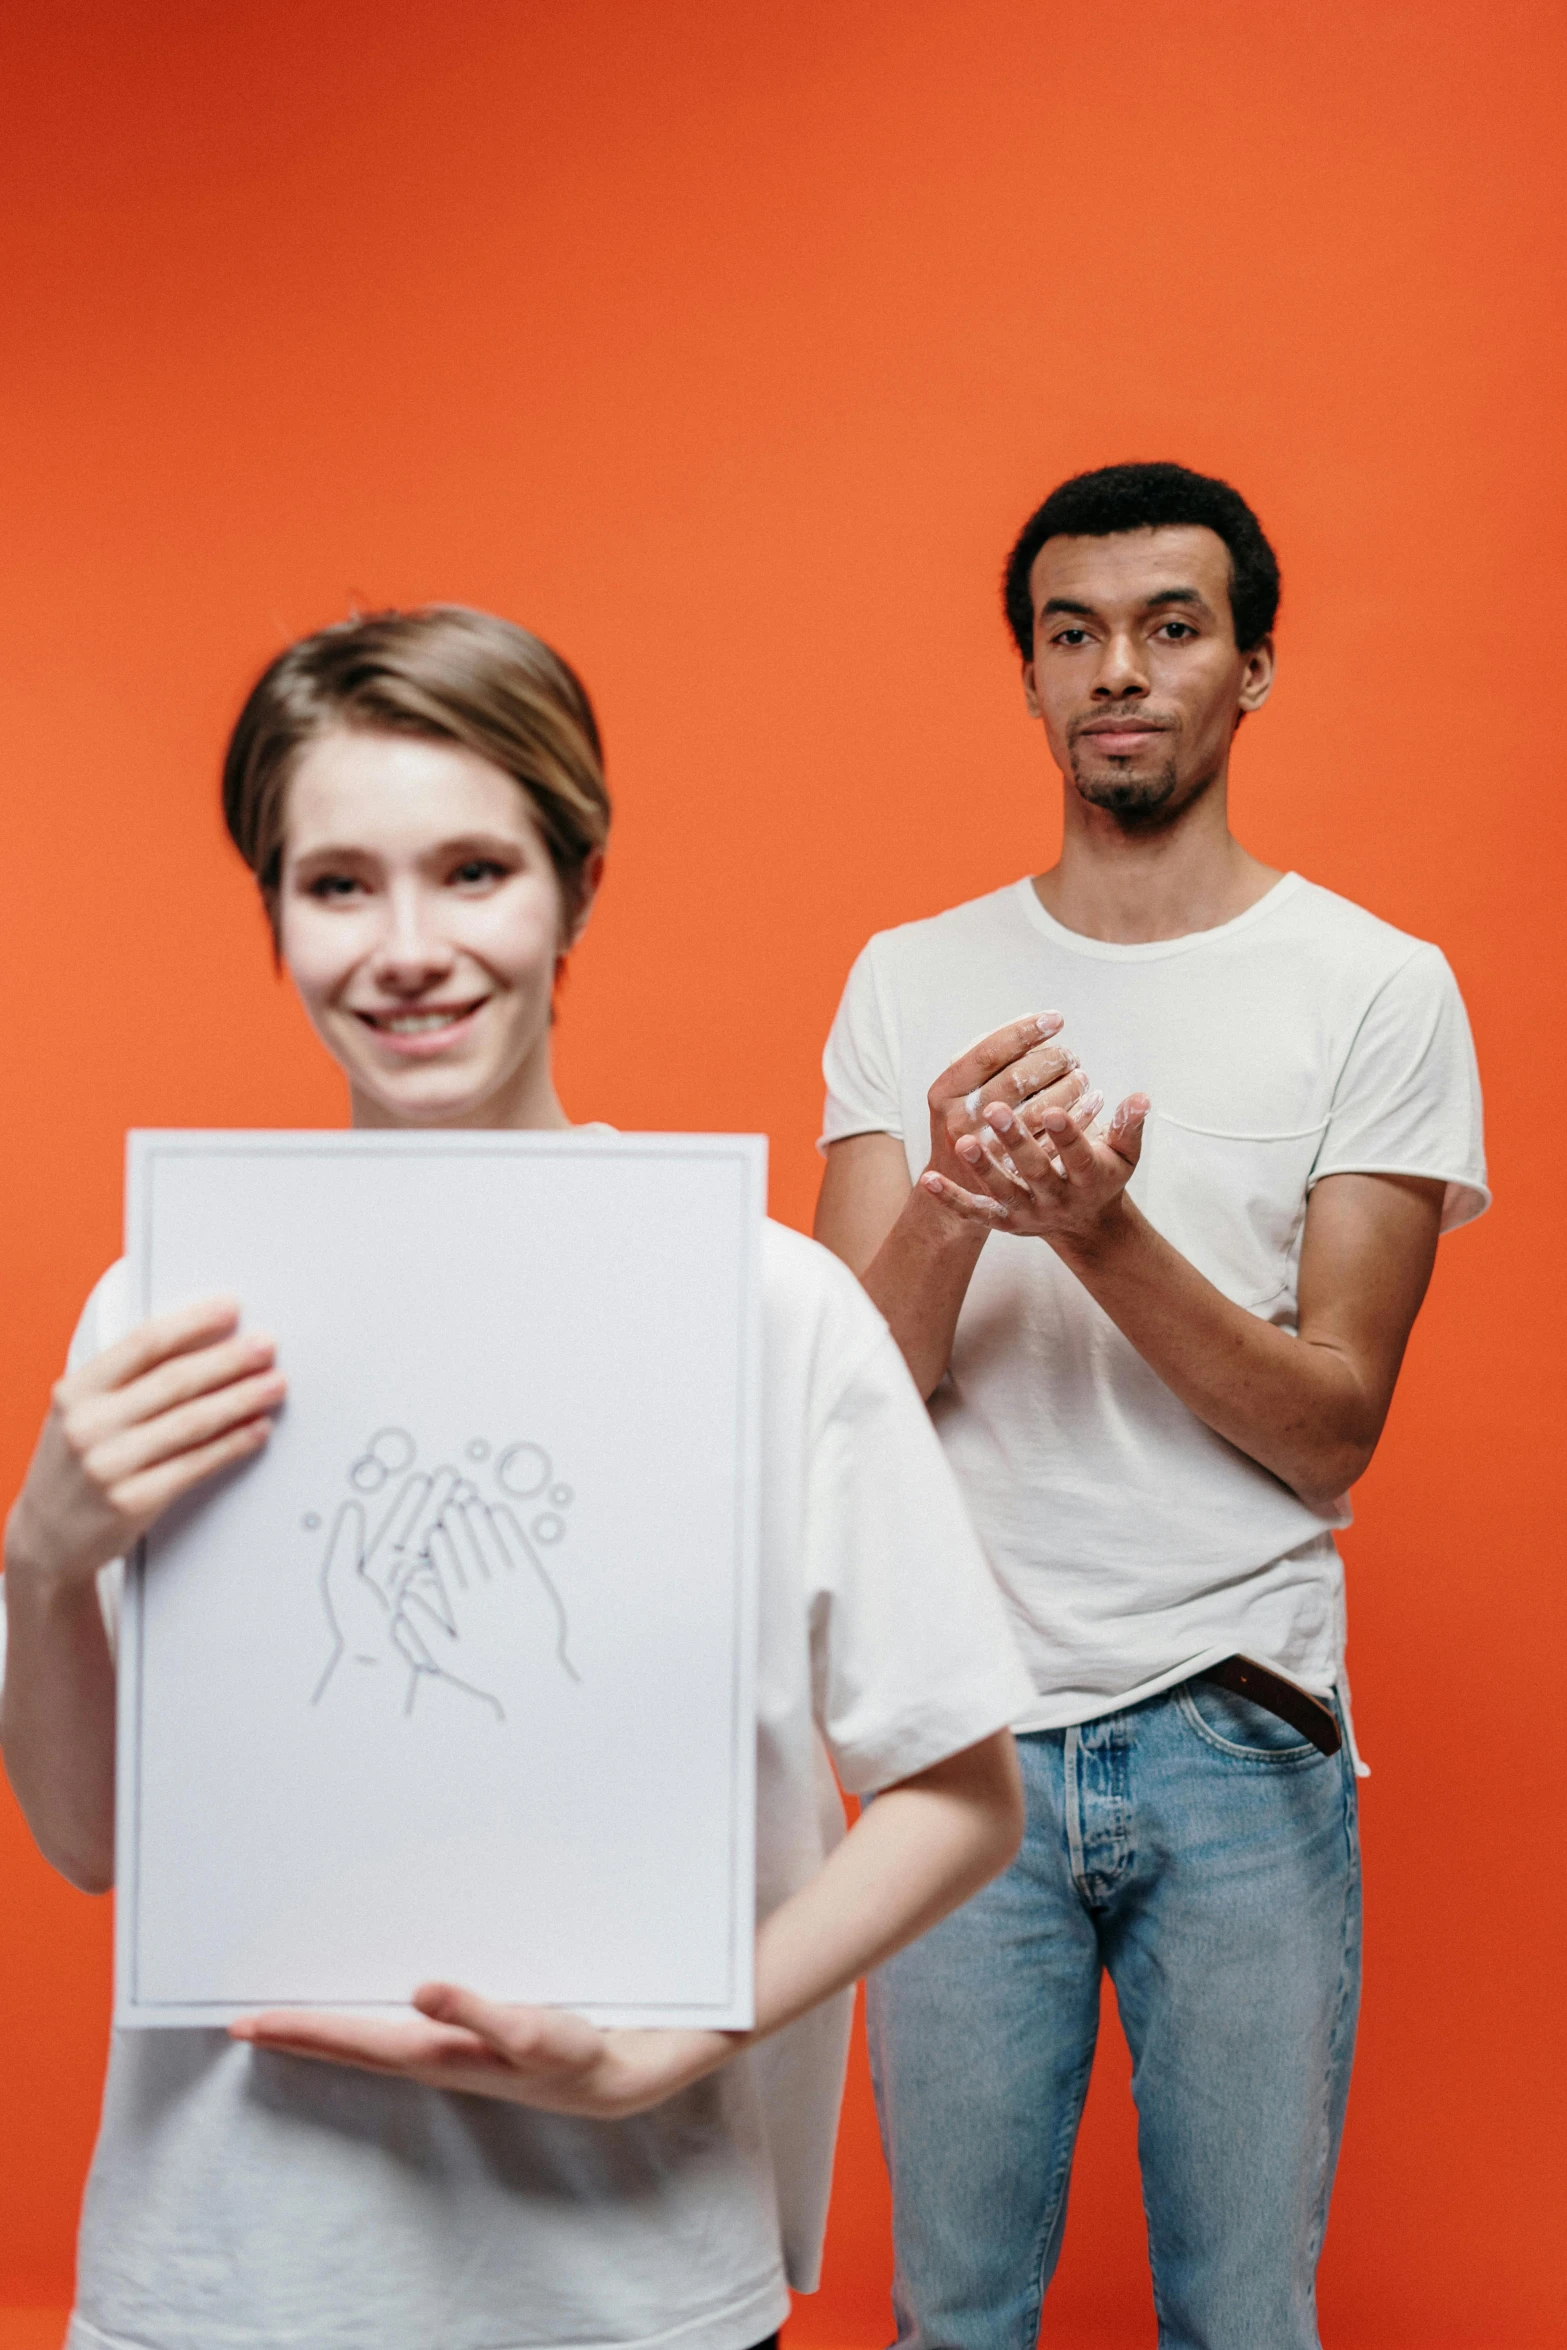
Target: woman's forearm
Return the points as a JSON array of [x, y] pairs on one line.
[[57, 1720], [914, 1854]]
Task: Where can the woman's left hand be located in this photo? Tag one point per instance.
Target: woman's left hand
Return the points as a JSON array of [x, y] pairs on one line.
[[539, 2056]]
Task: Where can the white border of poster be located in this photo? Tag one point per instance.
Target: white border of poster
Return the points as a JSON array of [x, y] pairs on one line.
[[456, 1679]]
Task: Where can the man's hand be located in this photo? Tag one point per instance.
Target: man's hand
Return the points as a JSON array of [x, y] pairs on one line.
[[542, 2057], [915, 1250], [1019, 1068], [1044, 1177]]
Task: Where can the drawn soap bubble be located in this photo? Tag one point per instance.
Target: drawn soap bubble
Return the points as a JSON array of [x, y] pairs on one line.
[[478, 1450], [562, 1496], [310, 1521], [388, 1451], [547, 1528], [523, 1470]]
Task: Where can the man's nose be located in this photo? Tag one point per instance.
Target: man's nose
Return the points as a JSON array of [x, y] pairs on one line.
[[1123, 671]]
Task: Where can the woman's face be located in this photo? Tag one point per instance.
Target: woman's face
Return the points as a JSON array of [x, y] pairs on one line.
[[420, 919]]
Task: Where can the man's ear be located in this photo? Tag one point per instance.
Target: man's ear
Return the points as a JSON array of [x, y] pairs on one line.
[[1256, 678], [1030, 696]]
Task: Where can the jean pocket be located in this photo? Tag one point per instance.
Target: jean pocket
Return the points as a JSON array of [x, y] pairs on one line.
[[1239, 1728]]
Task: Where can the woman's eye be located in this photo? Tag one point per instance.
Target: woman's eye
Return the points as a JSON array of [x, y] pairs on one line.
[[474, 872], [331, 885]]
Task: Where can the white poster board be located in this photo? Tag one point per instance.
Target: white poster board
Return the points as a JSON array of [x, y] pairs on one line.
[[455, 1680]]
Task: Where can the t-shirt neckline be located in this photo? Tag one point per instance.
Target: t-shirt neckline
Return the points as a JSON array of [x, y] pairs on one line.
[[1150, 950]]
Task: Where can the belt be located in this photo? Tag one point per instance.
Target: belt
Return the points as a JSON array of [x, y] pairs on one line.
[[1246, 1678]]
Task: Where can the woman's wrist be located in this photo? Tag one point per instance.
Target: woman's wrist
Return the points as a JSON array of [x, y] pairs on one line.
[[34, 1566]]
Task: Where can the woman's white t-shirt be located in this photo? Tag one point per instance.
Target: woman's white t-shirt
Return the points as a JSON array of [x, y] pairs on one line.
[[248, 2201], [1303, 1039]]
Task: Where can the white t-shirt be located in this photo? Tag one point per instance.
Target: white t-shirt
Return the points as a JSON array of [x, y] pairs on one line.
[[1303, 1039], [249, 2201]]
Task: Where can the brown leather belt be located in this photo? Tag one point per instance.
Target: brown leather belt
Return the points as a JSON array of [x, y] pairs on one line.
[[1303, 1712]]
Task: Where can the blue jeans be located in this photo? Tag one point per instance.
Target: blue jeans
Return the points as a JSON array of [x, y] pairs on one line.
[[1203, 1852]]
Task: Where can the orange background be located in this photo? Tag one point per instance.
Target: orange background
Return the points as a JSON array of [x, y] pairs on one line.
[[727, 346]]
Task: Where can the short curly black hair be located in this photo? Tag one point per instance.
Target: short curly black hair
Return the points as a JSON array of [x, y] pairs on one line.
[[1149, 497]]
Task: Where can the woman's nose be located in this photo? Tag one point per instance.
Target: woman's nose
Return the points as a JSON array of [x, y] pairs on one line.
[[412, 952]]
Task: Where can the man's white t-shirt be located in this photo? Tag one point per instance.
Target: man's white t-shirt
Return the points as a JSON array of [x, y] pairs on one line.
[[242, 2200], [1305, 1038]]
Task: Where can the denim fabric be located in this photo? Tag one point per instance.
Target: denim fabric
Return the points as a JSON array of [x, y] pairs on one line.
[[1206, 1855]]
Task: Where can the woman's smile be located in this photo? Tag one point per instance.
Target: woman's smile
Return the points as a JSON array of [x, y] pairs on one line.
[[418, 1031]]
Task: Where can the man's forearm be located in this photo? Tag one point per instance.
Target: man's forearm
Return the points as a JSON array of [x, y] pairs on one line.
[[1299, 1409], [918, 1280], [57, 1722]]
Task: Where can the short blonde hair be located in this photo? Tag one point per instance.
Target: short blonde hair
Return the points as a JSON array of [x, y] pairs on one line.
[[443, 672]]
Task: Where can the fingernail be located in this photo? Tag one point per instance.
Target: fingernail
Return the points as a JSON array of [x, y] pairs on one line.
[[1056, 1121], [969, 1150], [1048, 1022], [1000, 1117]]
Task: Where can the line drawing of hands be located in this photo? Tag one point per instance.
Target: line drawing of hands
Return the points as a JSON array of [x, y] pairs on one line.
[[399, 1547], [468, 1614], [364, 1579], [443, 1588]]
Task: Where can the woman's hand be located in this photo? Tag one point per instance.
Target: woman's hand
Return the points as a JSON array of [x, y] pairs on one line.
[[134, 1431], [538, 2056], [923, 1846]]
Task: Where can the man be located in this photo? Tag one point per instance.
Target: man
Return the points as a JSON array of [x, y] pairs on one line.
[[1158, 1353]]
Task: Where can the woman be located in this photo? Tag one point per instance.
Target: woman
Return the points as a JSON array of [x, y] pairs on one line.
[[421, 799]]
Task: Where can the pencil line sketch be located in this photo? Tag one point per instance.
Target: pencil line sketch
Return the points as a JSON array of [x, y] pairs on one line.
[[447, 1588]]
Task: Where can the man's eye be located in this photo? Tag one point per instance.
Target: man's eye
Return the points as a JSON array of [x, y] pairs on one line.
[[1070, 636], [1176, 629]]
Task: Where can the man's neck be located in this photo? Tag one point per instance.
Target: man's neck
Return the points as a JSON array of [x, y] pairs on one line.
[[1129, 888]]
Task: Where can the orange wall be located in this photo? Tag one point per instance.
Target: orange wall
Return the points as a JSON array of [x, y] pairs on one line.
[[727, 346]]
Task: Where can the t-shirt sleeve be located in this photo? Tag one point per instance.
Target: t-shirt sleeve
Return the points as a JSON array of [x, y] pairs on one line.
[[859, 1062], [912, 1657], [1407, 1101]]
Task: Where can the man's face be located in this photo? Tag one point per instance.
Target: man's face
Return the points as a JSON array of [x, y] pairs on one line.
[[1136, 672]]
